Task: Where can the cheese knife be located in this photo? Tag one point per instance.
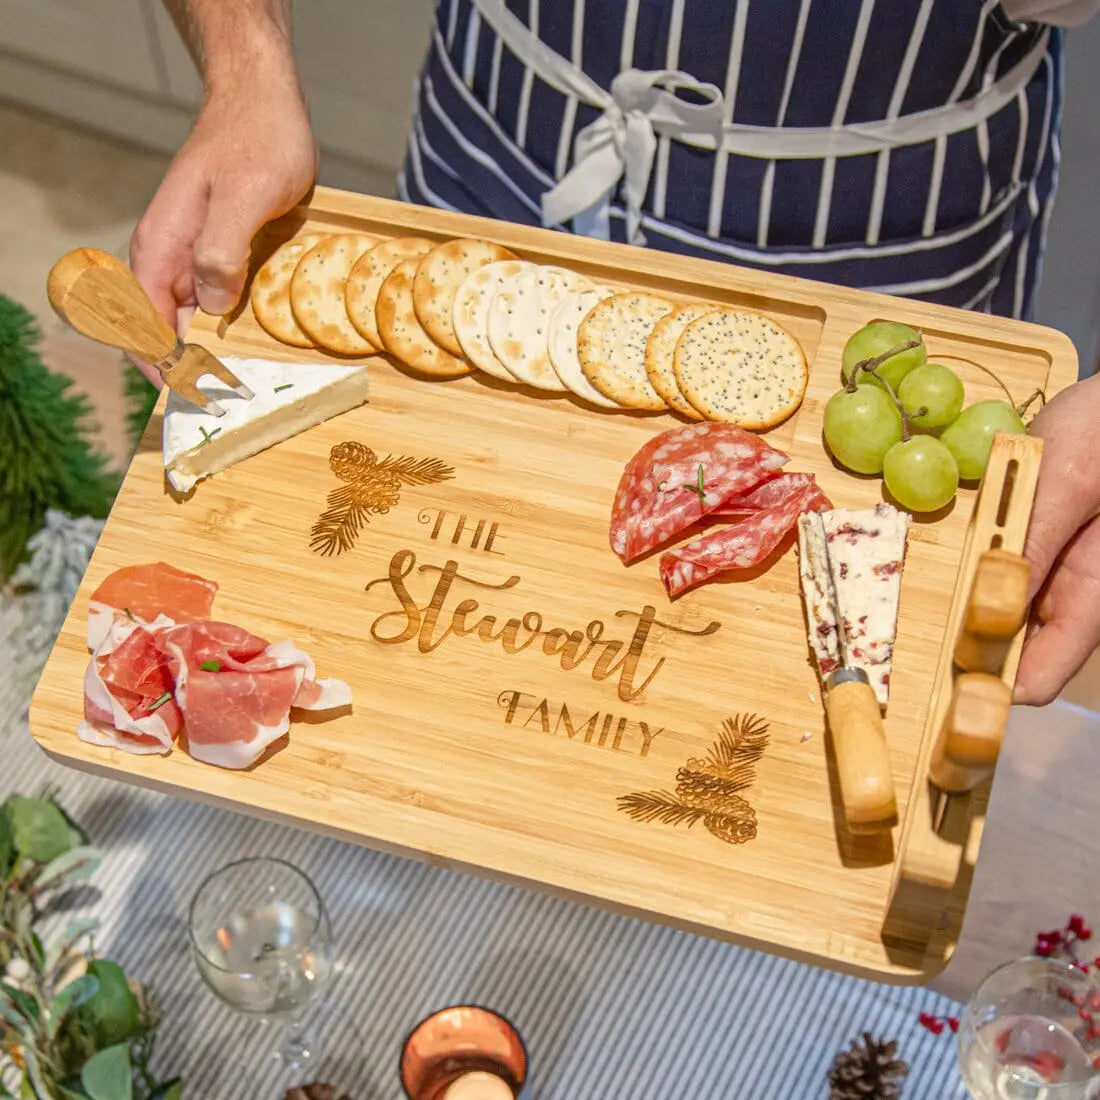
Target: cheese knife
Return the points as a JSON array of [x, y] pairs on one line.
[[98, 295], [859, 736]]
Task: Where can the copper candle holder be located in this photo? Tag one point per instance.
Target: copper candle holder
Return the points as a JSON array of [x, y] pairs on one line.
[[464, 1052]]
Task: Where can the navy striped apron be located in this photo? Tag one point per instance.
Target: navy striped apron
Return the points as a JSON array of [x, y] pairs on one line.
[[904, 146]]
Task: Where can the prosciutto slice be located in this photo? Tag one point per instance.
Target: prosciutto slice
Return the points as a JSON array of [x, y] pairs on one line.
[[775, 509], [139, 593], [160, 666], [236, 691], [657, 497]]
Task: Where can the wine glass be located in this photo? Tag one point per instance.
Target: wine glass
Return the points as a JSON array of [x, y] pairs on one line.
[[261, 941], [1032, 1032]]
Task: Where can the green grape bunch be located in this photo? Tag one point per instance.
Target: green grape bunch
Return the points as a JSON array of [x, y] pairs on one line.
[[891, 388]]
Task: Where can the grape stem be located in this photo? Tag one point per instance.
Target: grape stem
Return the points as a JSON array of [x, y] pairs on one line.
[[1038, 395], [870, 366]]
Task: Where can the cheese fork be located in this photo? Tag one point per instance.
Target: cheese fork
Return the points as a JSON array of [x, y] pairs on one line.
[[97, 295]]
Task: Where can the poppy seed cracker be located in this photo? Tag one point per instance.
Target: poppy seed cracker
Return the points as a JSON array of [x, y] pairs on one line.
[[611, 345], [368, 275], [438, 278], [317, 293], [740, 368], [661, 349], [402, 332], [270, 293]]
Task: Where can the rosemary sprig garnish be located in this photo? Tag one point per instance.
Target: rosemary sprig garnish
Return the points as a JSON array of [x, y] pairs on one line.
[[284, 386], [129, 615], [160, 702], [207, 436], [211, 666], [699, 487]]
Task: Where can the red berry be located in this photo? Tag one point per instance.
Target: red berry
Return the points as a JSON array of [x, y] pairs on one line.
[[1085, 933], [936, 1028], [1085, 1015], [1043, 949], [1048, 1064], [1076, 923], [1003, 1040], [1094, 1002], [953, 1023], [1096, 1062]]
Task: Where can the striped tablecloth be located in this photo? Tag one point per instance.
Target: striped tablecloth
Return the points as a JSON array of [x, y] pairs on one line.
[[611, 1008]]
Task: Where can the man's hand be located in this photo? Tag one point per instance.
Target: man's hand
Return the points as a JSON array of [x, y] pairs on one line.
[[1063, 545], [249, 158]]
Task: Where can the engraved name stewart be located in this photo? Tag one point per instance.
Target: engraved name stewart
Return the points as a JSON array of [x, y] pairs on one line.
[[431, 616], [605, 730]]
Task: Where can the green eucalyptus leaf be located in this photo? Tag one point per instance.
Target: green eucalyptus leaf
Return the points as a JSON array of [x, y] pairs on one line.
[[113, 1014], [74, 931], [70, 867], [78, 992], [9, 1014], [107, 1075], [39, 829], [169, 1090], [25, 1004]]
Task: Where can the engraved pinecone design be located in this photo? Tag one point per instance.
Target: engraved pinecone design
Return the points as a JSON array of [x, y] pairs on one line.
[[868, 1071], [350, 461], [707, 785], [737, 827], [379, 492]]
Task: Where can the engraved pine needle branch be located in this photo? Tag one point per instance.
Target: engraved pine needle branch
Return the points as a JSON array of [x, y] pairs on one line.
[[372, 488], [709, 789]]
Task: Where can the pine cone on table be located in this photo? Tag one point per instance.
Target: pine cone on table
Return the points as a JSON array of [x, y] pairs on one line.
[[319, 1090], [868, 1071]]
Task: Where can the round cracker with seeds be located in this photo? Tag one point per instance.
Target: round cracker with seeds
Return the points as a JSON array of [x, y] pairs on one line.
[[438, 278], [270, 292], [660, 350], [740, 368], [611, 345], [317, 293], [563, 343], [402, 333], [519, 322], [471, 314], [368, 275]]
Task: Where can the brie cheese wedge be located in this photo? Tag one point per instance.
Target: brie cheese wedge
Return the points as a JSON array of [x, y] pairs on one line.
[[289, 398], [866, 552]]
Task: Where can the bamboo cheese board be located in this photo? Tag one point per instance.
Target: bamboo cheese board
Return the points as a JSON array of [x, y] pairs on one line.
[[534, 763]]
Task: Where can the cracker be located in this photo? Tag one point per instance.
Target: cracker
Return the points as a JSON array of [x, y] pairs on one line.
[[519, 322], [367, 276], [740, 368], [441, 272], [317, 293], [471, 314], [403, 334], [563, 343], [611, 346], [659, 352], [270, 292]]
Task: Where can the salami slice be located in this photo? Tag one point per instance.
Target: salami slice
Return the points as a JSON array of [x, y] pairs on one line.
[[775, 490], [658, 495], [744, 544]]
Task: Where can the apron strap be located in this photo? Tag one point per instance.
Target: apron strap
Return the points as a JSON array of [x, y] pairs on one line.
[[621, 144]]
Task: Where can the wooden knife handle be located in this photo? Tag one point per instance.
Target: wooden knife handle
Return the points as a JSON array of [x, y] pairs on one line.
[[995, 611], [973, 730], [99, 296], [862, 760]]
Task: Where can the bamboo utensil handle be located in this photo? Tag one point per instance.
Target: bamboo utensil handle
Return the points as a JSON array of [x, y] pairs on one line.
[[98, 295], [862, 761], [973, 730], [995, 611]]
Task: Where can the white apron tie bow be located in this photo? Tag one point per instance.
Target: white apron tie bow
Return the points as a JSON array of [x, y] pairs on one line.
[[621, 145]]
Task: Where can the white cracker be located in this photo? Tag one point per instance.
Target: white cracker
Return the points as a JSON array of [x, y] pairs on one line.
[[519, 322], [471, 314], [563, 343]]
